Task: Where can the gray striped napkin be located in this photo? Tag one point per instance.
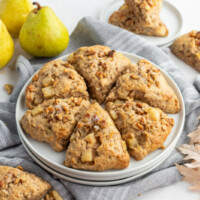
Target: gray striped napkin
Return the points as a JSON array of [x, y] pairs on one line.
[[89, 32]]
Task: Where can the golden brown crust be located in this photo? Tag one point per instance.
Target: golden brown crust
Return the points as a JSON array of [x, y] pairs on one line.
[[54, 120], [100, 66], [56, 79], [144, 128], [138, 19], [147, 84], [96, 143], [187, 48], [15, 184]]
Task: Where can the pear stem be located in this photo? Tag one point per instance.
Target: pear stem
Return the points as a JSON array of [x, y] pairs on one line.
[[38, 5]]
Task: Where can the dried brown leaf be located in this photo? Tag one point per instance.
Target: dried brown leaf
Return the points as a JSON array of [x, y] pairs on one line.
[[195, 137], [190, 175], [193, 153]]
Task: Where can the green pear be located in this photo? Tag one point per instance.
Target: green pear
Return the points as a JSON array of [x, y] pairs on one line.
[[43, 34], [14, 13], [6, 45]]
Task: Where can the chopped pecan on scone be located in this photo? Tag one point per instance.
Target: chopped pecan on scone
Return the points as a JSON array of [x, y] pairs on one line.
[[144, 128], [54, 120], [96, 144]]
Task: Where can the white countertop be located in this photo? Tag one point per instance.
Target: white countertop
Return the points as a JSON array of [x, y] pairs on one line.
[[70, 12]]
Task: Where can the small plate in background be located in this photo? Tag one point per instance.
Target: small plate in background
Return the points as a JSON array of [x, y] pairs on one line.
[[170, 15]]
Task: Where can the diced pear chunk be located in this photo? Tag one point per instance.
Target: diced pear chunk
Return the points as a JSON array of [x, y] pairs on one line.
[[132, 143], [90, 138], [72, 138], [123, 93], [124, 145], [113, 114], [37, 110], [37, 101], [161, 30], [154, 114], [87, 156], [198, 55], [118, 102], [48, 92], [47, 81]]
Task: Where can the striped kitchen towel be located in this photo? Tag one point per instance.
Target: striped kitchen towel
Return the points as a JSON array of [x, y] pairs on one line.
[[90, 32]]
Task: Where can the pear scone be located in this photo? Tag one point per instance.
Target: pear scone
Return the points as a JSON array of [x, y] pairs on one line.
[[187, 48], [96, 144], [127, 19], [53, 121], [144, 128], [100, 66], [56, 79], [15, 184], [147, 84]]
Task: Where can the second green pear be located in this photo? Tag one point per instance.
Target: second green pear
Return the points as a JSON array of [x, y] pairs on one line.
[[43, 34]]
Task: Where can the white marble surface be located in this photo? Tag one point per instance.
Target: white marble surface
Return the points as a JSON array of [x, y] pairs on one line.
[[70, 12]]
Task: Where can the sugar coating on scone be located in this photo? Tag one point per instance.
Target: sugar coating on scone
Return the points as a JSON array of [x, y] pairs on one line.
[[53, 121], [96, 144], [56, 79], [144, 128], [147, 84], [15, 184], [187, 48], [100, 66], [127, 19]]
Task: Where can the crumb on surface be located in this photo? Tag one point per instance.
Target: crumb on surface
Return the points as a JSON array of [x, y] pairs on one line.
[[12, 67], [139, 195], [8, 88], [52, 195]]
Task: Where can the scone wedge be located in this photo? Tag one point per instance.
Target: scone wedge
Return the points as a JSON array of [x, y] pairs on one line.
[[143, 127], [146, 10], [56, 79], [53, 121], [127, 19], [187, 48], [147, 84], [100, 67], [96, 144], [15, 184]]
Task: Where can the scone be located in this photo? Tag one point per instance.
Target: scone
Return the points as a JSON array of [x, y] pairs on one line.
[[100, 66], [146, 84], [53, 121], [56, 79], [145, 25], [187, 48], [15, 184], [144, 128], [96, 144], [146, 10]]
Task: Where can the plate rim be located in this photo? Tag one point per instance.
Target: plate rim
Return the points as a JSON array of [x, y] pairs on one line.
[[90, 182], [160, 44], [95, 173]]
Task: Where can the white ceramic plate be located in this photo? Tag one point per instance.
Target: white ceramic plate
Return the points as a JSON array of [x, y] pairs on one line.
[[93, 183], [170, 15], [55, 159]]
